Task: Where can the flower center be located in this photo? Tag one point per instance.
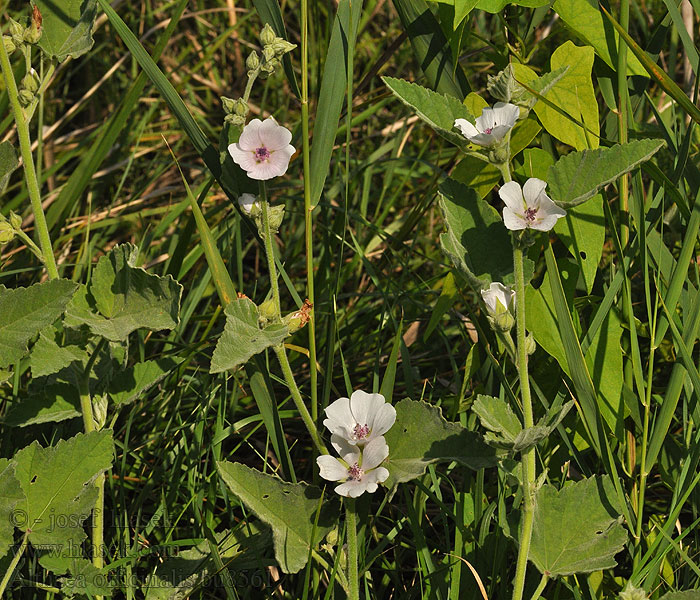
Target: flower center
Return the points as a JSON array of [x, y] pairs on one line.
[[262, 154], [530, 214], [355, 473], [360, 432], [488, 130]]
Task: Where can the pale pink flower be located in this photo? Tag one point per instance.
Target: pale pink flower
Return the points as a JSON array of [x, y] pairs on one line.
[[492, 126], [263, 150], [529, 207], [360, 418]]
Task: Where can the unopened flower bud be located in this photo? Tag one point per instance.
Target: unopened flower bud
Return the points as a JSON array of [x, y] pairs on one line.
[[228, 104], [248, 203], [15, 220], [633, 593], [240, 107], [282, 46], [333, 537], [253, 61], [33, 33], [296, 320], [269, 53], [498, 155], [275, 215], [267, 309], [530, 345], [10, 46], [99, 411], [7, 232], [503, 322], [234, 120], [25, 97], [267, 35], [30, 81], [17, 32]]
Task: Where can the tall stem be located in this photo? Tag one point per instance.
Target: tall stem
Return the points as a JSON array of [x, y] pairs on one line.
[[308, 209], [13, 565], [270, 251], [528, 457], [25, 147], [351, 525]]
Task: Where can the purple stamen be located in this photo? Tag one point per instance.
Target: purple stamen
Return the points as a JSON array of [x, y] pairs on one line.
[[360, 432], [355, 473], [530, 214], [488, 130], [262, 154]]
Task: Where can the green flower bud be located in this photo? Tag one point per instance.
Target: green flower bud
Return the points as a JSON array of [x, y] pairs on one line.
[[267, 309], [269, 53], [31, 82], [7, 232], [267, 35], [282, 46], [530, 345], [99, 411], [296, 320], [32, 34], [252, 62], [241, 108], [633, 593], [10, 46], [502, 322], [235, 120], [25, 97], [498, 155], [228, 104], [333, 537], [275, 214], [15, 221], [17, 32]]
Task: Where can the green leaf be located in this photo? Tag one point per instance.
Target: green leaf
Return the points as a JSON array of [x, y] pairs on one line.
[[578, 176], [48, 402], [431, 48], [85, 579], [48, 357], [497, 416], [421, 436], [128, 385], [687, 595], [437, 110], [461, 7], [67, 27], [476, 240], [122, 298], [177, 577], [10, 494], [57, 484], [333, 93], [26, 311], [573, 94], [290, 509], [243, 337], [586, 22], [576, 529], [8, 163]]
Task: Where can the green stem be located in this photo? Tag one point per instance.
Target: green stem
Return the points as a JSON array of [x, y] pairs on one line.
[[298, 400], [540, 587], [13, 565], [351, 525], [528, 457], [270, 251], [25, 147], [308, 209]]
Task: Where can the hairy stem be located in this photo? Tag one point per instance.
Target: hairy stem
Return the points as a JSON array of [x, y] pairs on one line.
[[270, 251], [13, 565], [351, 524]]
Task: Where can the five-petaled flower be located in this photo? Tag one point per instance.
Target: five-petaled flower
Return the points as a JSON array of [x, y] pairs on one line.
[[498, 298], [492, 126], [529, 207], [360, 418], [357, 469], [263, 150]]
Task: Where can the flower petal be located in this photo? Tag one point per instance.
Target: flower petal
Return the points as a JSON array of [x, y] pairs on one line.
[[487, 120], [340, 420], [250, 136], [512, 196], [331, 468], [246, 202], [279, 159], [347, 450], [273, 135], [532, 189], [264, 170], [466, 128], [383, 419], [513, 221], [499, 132], [245, 159], [351, 489], [364, 406], [374, 453], [378, 475], [506, 114]]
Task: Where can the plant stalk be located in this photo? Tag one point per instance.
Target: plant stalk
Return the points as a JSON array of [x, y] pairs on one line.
[[25, 147], [13, 565], [351, 525], [270, 251]]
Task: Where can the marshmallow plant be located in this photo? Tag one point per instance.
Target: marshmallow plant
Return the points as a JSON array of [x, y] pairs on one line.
[[492, 126]]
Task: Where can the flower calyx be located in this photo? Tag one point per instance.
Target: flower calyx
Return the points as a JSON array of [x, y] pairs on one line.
[[298, 319], [498, 299]]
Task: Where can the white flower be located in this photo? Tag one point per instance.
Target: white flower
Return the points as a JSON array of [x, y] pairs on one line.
[[263, 150], [247, 202], [358, 470], [361, 418], [498, 298], [491, 126], [529, 207]]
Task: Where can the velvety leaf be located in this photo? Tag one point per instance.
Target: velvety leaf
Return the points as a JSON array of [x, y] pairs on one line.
[[57, 484], [128, 385], [421, 436], [586, 22], [176, 578], [26, 311], [476, 240], [50, 402], [497, 416], [48, 357], [10, 494], [437, 110], [122, 298], [243, 337], [67, 27], [578, 176], [576, 529], [84, 578], [290, 509], [8, 163]]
